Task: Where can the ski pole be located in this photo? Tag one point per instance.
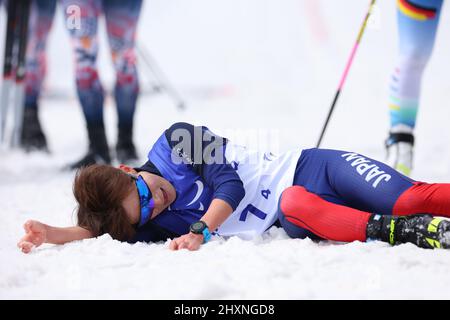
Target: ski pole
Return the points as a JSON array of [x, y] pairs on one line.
[[19, 94], [8, 62], [347, 68], [164, 83]]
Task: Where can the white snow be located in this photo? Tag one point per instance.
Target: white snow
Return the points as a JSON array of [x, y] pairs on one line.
[[244, 66]]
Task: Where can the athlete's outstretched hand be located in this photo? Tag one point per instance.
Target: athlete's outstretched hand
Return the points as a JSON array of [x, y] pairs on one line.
[[188, 241], [35, 235]]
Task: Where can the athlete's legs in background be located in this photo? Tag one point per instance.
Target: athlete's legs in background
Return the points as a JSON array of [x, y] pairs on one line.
[[41, 19], [89, 88], [121, 23], [357, 188], [417, 26]]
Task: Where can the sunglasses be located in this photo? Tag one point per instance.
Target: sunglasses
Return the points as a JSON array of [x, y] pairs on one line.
[[147, 204]]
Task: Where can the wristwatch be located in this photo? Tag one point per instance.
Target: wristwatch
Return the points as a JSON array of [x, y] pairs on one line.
[[200, 227]]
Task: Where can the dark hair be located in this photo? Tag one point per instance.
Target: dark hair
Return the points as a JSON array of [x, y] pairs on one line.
[[100, 191]]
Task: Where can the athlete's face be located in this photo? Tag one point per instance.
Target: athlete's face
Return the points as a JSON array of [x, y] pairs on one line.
[[163, 194]]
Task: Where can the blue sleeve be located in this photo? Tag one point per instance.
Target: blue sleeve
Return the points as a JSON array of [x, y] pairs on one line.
[[225, 182], [204, 151]]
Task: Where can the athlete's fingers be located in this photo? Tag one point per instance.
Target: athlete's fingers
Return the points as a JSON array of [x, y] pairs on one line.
[[193, 246], [33, 237], [183, 245], [27, 226], [173, 245], [25, 246], [33, 226], [21, 243], [28, 238]]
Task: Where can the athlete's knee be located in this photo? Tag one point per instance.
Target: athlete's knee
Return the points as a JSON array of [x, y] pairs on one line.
[[291, 200], [297, 205], [293, 204], [124, 58], [414, 59], [86, 73], [86, 78], [125, 66]]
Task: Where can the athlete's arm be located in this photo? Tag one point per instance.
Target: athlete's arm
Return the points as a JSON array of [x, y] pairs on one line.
[[218, 211], [204, 152], [37, 233]]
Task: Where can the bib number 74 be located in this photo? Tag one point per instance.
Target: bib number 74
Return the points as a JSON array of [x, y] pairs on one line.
[[253, 210]]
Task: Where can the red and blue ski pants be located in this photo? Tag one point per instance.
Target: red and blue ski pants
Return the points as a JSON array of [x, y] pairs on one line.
[[335, 192]]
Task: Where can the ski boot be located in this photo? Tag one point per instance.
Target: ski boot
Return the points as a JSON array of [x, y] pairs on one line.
[[400, 147], [125, 149], [98, 149], [423, 230], [32, 138]]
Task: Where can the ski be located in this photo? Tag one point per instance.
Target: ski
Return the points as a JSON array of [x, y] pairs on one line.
[[20, 72], [7, 84], [12, 94], [164, 85]]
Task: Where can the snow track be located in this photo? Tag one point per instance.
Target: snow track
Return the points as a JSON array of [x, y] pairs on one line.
[[276, 76]]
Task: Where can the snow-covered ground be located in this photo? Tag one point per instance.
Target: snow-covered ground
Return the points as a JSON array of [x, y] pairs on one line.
[[252, 66]]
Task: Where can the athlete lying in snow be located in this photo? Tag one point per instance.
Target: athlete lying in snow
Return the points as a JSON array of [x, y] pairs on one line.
[[196, 183]]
